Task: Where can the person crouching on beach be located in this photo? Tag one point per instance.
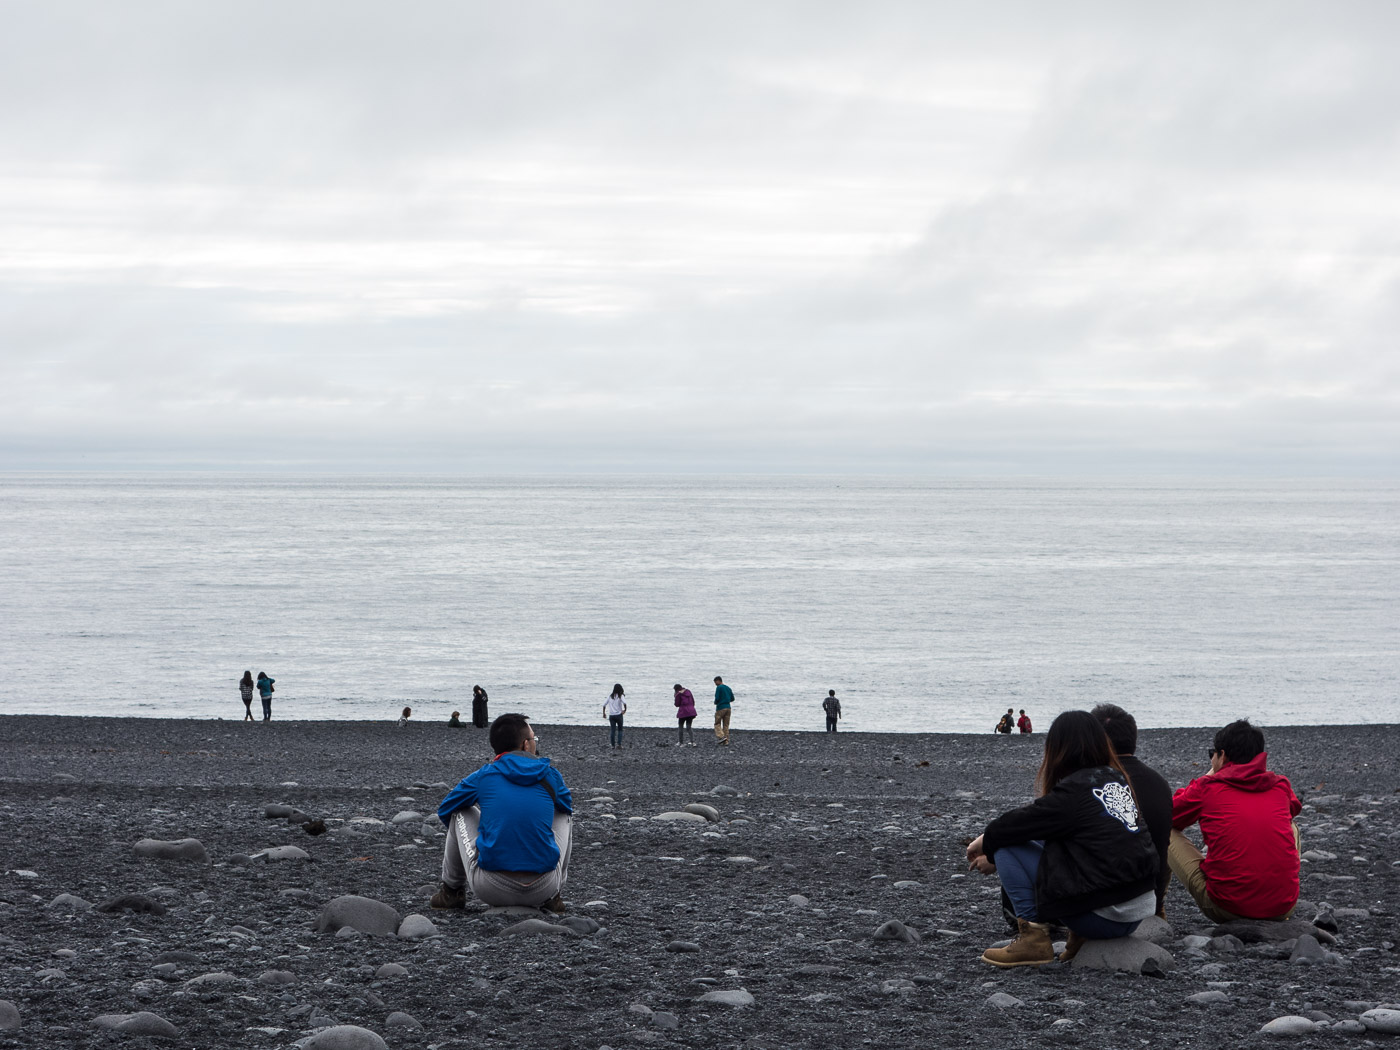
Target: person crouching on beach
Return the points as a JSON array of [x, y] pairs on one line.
[[685, 715], [509, 827], [1080, 854], [403, 718], [613, 710], [245, 693], [455, 722], [265, 690]]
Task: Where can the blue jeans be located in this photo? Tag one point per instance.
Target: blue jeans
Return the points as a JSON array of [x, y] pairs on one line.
[[1016, 867], [615, 730]]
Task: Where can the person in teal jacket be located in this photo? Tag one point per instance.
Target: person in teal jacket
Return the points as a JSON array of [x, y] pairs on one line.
[[509, 827], [724, 700], [265, 690]]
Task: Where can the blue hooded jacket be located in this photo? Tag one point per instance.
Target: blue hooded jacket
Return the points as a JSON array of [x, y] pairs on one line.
[[518, 794]]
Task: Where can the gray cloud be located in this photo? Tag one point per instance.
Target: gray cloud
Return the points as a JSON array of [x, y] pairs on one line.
[[900, 237]]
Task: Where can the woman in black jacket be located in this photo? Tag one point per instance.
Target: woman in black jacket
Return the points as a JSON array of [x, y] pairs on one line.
[[1079, 854], [479, 717]]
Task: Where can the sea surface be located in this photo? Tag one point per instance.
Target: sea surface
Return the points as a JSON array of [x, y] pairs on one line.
[[927, 604]]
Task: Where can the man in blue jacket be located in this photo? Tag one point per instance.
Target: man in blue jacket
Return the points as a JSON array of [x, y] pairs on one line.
[[509, 827]]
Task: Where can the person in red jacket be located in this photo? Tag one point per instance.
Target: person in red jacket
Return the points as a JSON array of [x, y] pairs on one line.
[[1024, 723], [1250, 870]]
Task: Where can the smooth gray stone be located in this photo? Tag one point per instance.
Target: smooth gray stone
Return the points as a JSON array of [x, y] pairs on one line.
[[1308, 950], [276, 853], [680, 817], [277, 978], [391, 970], [580, 924], [708, 812], [894, 930], [416, 927], [736, 997], [534, 926], [405, 816], [206, 980], [797, 900], [640, 1010], [1003, 1001], [9, 1016], [1208, 998], [1348, 1027], [682, 946], [1291, 1024], [724, 789], [345, 1037], [135, 903], [1385, 1021], [399, 1019], [1154, 928], [512, 909], [276, 811], [1122, 954], [740, 860], [817, 970], [360, 913], [897, 986], [67, 900], [1226, 943], [141, 1023], [665, 1019]]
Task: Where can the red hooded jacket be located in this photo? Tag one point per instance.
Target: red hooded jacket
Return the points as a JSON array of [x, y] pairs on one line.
[[1246, 815]]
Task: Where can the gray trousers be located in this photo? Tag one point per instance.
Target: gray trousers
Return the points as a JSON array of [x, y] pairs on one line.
[[501, 889]]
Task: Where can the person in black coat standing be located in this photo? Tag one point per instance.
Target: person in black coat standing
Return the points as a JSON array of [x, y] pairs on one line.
[[479, 716]]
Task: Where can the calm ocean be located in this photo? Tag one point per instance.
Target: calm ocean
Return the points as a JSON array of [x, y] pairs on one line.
[[926, 604]]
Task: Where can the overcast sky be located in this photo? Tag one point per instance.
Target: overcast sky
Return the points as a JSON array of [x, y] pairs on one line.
[[721, 236]]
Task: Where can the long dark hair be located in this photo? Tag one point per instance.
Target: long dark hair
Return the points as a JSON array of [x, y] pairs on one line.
[[617, 690], [247, 678], [1076, 741], [262, 675]]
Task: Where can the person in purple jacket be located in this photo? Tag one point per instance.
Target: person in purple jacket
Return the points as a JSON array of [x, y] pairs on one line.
[[685, 715], [509, 827]]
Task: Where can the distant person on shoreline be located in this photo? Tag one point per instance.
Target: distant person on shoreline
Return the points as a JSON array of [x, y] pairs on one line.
[[265, 690], [245, 692], [685, 715], [1250, 870], [1005, 726], [455, 722], [479, 719], [1150, 788], [614, 707], [832, 707], [724, 701], [509, 827], [403, 718], [1024, 723], [1079, 854]]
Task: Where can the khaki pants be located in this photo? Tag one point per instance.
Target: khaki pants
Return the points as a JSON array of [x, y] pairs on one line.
[[1185, 861], [501, 889], [722, 724]]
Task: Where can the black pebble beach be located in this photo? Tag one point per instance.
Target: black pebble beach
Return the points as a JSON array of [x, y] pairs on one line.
[[821, 840]]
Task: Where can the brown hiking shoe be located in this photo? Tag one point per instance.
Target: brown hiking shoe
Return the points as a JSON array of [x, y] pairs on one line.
[[1030, 948], [449, 898], [555, 904], [1072, 945]]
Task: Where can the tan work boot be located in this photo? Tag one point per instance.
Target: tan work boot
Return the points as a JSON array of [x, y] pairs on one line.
[[449, 897], [1072, 945], [1031, 947]]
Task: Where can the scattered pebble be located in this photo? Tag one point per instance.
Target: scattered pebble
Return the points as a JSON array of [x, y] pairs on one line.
[[345, 1037], [141, 1023], [1292, 1024], [736, 997], [359, 913], [177, 849]]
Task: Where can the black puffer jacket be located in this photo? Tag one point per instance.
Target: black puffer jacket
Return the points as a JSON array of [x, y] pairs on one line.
[[1098, 850]]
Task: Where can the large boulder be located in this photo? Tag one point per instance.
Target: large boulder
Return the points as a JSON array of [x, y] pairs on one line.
[[345, 1037], [1123, 955], [360, 913], [142, 1023]]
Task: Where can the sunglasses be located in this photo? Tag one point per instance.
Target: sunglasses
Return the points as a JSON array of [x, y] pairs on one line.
[[1212, 752]]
